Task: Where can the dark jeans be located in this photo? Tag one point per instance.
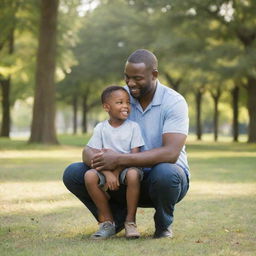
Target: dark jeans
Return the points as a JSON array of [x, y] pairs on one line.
[[162, 187]]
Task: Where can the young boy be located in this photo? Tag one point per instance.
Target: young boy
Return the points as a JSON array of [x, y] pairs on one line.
[[122, 135]]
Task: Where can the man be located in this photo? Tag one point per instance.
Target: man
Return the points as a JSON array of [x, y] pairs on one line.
[[162, 115]]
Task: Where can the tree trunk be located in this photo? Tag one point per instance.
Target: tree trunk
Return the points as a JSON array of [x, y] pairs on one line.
[[198, 97], [6, 119], [75, 107], [6, 88], [43, 123], [235, 101], [251, 91], [248, 37], [216, 98], [84, 119], [216, 119]]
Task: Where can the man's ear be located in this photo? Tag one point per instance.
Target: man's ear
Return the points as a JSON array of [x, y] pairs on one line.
[[155, 73], [106, 107]]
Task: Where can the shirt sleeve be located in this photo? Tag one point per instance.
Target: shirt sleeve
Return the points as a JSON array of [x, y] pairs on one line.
[[176, 118], [137, 139], [96, 139]]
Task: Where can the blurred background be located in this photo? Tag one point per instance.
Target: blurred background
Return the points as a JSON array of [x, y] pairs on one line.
[[56, 56]]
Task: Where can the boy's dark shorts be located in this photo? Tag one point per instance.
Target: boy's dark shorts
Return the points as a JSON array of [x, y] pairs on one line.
[[122, 176]]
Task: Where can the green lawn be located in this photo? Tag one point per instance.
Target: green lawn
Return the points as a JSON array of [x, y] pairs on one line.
[[38, 216]]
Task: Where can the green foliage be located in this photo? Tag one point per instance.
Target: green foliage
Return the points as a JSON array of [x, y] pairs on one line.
[[205, 45], [108, 36], [18, 28]]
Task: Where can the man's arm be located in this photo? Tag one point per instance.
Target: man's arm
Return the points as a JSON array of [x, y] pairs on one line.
[[167, 153]]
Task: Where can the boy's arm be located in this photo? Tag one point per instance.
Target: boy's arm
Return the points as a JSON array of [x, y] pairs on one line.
[[112, 180], [113, 183], [88, 154], [135, 150]]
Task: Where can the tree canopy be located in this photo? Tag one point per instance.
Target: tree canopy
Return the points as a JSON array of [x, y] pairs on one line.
[[205, 49]]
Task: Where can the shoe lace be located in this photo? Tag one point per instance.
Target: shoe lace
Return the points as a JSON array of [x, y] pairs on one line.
[[131, 224], [106, 224]]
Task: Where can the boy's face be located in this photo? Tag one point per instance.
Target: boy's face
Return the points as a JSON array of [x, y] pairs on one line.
[[118, 105]]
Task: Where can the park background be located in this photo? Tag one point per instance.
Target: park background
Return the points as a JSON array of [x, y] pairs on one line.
[[55, 59]]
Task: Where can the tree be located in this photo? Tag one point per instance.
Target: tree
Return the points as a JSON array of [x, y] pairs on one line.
[[43, 127], [235, 102], [8, 12], [18, 27]]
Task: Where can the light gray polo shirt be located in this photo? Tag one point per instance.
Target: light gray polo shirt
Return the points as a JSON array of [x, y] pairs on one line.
[[167, 113]]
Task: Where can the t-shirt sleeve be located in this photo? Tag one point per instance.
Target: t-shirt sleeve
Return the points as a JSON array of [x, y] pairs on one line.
[[137, 139], [176, 118], [96, 139]]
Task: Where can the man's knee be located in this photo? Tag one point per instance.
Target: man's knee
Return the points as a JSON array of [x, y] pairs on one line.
[[165, 174], [74, 173]]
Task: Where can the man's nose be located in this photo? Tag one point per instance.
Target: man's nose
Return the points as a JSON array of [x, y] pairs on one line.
[[131, 82]]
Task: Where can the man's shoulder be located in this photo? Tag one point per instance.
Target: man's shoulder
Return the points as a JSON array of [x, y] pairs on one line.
[[170, 96], [169, 91]]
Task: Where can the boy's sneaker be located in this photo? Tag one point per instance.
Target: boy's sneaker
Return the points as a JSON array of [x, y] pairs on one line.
[[106, 230], [131, 230]]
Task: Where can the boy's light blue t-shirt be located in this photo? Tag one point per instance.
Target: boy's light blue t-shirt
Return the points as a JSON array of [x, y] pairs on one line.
[[121, 139], [167, 113]]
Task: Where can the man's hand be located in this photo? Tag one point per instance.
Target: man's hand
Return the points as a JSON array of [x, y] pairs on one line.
[[112, 180], [105, 160], [88, 154]]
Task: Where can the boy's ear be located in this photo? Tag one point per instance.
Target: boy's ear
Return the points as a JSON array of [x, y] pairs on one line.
[[106, 107]]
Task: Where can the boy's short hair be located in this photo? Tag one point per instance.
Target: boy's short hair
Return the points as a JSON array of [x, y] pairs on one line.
[[107, 92]]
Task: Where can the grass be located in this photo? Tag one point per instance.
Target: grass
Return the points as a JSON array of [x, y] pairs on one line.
[[39, 216]]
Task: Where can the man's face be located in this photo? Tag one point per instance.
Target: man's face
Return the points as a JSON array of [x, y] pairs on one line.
[[139, 79]]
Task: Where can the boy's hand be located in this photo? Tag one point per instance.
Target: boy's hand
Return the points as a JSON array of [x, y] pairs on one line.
[[112, 180]]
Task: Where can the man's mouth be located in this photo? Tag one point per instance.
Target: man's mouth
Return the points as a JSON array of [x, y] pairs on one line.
[[134, 90]]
